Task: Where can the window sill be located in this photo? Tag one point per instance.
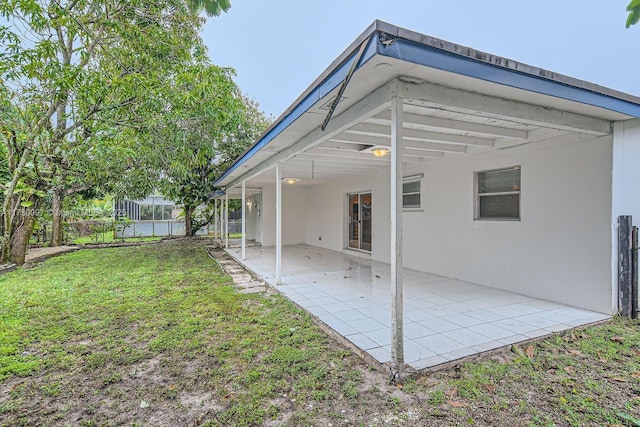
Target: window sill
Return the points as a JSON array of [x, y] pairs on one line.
[[412, 210], [498, 219]]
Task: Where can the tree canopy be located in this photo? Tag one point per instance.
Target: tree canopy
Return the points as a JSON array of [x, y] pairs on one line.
[[210, 7], [209, 125], [634, 13], [92, 91]]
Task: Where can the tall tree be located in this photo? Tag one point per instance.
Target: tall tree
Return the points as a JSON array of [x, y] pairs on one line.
[[67, 66], [211, 124]]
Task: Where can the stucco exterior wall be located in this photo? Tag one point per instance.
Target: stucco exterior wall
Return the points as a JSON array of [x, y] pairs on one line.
[[253, 222], [294, 211], [560, 250], [327, 209], [626, 186]]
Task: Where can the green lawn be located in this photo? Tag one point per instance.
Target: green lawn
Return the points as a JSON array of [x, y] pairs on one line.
[[107, 237], [157, 335]]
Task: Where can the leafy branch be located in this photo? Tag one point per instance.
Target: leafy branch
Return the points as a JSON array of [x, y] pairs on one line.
[[634, 13]]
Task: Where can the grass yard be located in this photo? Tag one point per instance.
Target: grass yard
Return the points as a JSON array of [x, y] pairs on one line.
[[157, 335], [107, 237]]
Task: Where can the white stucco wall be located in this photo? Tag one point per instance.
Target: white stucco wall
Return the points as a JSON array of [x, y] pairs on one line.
[[626, 186], [253, 223], [294, 200], [560, 250], [327, 209]]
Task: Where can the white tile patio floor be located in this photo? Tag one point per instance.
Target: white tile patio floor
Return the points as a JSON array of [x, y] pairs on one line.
[[444, 319]]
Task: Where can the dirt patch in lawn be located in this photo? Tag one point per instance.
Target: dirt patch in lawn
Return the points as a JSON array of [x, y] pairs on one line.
[[35, 255], [157, 335]]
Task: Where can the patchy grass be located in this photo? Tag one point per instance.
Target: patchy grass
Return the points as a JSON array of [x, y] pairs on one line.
[[107, 237], [156, 335], [586, 377]]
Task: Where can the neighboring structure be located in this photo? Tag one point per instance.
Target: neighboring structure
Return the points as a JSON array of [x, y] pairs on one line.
[[152, 216], [248, 219], [444, 159]]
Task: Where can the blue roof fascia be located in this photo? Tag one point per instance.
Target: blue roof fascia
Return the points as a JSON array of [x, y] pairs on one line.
[[217, 194], [433, 57], [333, 80]]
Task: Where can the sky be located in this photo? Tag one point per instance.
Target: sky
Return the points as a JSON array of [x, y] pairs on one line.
[[279, 47]]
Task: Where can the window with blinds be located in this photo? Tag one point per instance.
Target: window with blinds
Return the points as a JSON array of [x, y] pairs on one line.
[[411, 192], [498, 194], [411, 195]]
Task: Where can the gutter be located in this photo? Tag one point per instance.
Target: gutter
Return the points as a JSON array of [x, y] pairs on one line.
[[411, 46]]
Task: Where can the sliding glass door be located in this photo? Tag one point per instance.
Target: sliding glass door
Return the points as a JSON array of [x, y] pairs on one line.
[[359, 221]]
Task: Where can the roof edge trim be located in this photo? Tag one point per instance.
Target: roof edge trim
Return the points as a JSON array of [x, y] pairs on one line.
[[295, 110], [445, 56], [483, 66]]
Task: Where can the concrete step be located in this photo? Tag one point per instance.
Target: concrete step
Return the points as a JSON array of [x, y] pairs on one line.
[[253, 284], [242, 278], [254, 290], [244, 281], [233, 271]]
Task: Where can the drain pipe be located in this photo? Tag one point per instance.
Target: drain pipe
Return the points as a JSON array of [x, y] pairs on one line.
[[634, 273], [627, 267]]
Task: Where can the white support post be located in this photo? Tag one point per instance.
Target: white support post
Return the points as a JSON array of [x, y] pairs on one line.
[[220, 207], [226, 219], [215, 218], [397, 333], [244, 221], [278, 225]]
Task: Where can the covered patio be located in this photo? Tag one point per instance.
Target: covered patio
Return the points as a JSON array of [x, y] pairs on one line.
[[444, 319], [415, 156]]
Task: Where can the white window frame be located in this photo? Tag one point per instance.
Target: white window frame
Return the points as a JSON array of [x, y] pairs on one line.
[[408, 180], [477, 195]]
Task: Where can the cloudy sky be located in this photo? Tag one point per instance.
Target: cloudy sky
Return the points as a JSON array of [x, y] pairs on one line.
[[279, 47]]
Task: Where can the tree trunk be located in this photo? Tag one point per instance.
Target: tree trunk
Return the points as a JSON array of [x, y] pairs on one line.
[[6, 227], [12, 217], [188, 223], [58, 218], [23, 228]]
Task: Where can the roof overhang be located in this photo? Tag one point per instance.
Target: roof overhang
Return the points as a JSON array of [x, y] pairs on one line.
[[456, 96], [233, 193]]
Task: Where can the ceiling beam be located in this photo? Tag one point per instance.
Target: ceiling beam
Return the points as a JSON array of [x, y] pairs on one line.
[[342, 169], [330, 152], [305, 173], [353, 138], [384, 118], [331, 162], [436, 96], [420, 135], [434, 146], [368, 106], [368, 156], [422, 153], [408, 143], [344, 146], [329, 156]]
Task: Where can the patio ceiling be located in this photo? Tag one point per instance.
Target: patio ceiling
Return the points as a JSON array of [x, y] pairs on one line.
[[457, 101], [451, 127], [430, 135]]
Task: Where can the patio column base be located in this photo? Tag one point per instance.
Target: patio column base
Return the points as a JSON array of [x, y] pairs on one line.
[[401, 373]]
